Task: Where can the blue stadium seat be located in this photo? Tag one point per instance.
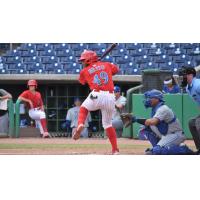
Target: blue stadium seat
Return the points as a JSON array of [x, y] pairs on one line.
[[21, 71], [190, 63], [108, 59], [96, 46], [31, 59], [151, 45], [162, 58], [156, 52], [14, 52], [119, 52], [189, 45], [64, 52], [133, 46], [4, 71], [49, 59], [28, 46], [34, 66], [37, 71], [142, 59], [69, 59], [59, 71], [43, 47], [58, 46], [170, 45], [29, 52], [123, 59], [12, 59], [138, 52], [78, 46], [58, 66], [69, 66], [176, 51], [180, 58], [47, 52]]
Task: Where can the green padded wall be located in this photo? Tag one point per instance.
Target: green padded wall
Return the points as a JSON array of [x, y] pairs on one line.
[[190, 110]]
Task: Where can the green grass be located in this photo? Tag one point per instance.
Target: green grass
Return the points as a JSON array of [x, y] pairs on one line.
[[67, 146]]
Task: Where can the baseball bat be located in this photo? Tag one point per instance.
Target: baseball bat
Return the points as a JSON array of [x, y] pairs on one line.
[[108, 50]]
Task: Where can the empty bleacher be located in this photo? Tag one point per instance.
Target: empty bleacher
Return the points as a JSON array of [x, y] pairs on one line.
[[132, 58]]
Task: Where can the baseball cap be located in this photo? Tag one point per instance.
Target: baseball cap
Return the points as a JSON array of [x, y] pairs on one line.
[[117, 89], [76, 99]]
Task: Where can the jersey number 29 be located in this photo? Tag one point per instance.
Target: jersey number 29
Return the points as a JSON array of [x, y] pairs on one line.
[[103, 76]]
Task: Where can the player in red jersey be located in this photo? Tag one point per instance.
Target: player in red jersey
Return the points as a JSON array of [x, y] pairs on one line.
[[34, 103], [98, 75]]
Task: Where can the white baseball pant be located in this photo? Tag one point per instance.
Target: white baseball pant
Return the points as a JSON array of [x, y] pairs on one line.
[[104, 101], [37, 115]]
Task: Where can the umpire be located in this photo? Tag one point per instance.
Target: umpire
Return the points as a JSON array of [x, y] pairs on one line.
[[193, 89]]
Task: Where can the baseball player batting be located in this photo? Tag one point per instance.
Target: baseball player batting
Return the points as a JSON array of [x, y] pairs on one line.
[[98, 75], [34, 102]]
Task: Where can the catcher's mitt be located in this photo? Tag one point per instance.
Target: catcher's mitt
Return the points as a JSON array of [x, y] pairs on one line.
[[126, 119]]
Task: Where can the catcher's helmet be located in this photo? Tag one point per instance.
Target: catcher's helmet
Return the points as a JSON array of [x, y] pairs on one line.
[[152, 94], [32, 83], [88, 57]]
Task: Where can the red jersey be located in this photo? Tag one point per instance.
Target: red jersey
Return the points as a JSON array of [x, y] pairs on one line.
[[35, 98], [99, 76]]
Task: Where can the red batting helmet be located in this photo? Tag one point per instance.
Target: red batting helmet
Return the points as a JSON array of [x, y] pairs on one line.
[[32, 83], [88, 57]]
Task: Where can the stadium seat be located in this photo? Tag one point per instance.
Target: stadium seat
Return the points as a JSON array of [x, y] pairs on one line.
[[13, 59], [58, 46], [34, 66], [170, 45], [162, 58], [49, 59], [70, 66], [133, 46], [28, 52], [138, 52], [78, 46], [142, 59], [27, 46], [180, 58], [123, 59], [43, 47], [108, 59], [47, 52], [3, 71], [119, 52], [69, 59], [189, 45], [64, 52], [59, 71], [96, 46], [31, 59]]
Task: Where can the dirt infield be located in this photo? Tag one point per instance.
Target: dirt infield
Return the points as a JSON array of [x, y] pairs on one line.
[[66, 146]]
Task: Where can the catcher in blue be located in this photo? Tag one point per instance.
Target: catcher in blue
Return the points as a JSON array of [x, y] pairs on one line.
[[163, 129]]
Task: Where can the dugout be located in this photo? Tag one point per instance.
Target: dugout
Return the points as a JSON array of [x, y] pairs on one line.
[[58, 92]]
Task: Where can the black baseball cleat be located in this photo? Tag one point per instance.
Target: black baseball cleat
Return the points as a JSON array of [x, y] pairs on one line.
[[197, 152]]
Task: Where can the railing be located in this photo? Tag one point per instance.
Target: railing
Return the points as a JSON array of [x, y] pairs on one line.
[[11, 131], [17, 117], [128, 132]]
